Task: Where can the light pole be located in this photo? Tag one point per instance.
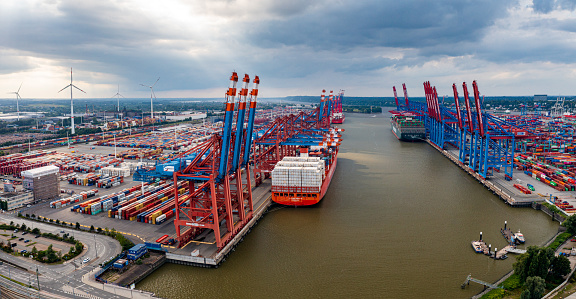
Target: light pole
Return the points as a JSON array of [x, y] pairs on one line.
[[73, 294], [37, 279], [95, 248]]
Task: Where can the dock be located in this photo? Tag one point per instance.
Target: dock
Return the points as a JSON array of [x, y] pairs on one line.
[[497, 184], [208, 256], [485, 284], [496, 254]]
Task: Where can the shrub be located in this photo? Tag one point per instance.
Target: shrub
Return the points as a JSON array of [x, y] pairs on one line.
[[512, 283], [495, 294]]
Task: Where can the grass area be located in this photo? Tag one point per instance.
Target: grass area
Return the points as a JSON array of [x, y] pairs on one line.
[[569, 289], [20, 283], [512, 289], [559, 241], [12, 238], [31, 244], [5, 235]]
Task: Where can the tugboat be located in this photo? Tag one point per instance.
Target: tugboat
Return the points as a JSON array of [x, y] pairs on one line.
[[519, 237]]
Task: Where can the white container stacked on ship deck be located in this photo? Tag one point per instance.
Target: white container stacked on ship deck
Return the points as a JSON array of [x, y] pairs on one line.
[[298, 172]]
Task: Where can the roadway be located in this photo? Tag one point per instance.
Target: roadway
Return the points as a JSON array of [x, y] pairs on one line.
[[62, 279]]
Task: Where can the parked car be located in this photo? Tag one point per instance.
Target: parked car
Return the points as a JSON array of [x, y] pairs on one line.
[[37, 236], [26, 241], [24, 233], [20, 239], [86, 260]]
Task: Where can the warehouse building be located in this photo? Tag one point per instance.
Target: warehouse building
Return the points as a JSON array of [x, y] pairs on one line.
[[11, 199], [43, 181]]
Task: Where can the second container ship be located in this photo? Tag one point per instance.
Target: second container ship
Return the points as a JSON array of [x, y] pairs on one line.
[[338, 118], [408, 128], [304, 180]]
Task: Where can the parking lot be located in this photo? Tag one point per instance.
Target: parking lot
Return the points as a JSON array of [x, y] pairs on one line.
[[26, 241]]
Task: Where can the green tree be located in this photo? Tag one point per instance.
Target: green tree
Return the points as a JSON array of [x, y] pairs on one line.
[[570, 224], [57, 221], [35, 231], [91, 228], [534, 288], [77, 225], [34, 251], [535, 262], [23, 227], [560, 266]]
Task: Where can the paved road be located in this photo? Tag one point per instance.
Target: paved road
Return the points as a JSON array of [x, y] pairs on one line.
[[64, 279]]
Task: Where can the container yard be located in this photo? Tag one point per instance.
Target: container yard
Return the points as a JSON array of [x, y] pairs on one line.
[[14, 164], [169, 138]]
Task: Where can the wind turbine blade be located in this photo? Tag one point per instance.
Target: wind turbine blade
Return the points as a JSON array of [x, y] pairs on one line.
[[121, 95], [65, 87], [20, 87], [155, 82], [153, 92], [77, 88], [144, 85]]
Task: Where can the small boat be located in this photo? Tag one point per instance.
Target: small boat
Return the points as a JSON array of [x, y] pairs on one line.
[[519, 237], [477, 245], [531, 187]]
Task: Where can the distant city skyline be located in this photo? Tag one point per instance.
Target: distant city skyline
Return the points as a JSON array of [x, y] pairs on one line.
[[512, 48]]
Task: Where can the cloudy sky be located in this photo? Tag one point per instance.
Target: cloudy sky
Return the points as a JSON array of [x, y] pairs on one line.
[[297, 47]]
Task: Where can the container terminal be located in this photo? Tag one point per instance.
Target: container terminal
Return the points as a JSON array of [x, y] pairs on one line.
[[193, 193], [524, 159]]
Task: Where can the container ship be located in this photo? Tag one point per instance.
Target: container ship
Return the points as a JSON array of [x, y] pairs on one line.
[[408, 128], [338, 118], [304, 180]]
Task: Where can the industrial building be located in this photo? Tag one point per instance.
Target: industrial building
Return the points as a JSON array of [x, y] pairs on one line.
[[11, 199], [43, 181]]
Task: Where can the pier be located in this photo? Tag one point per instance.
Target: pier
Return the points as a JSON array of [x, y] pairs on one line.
[[497, 184], [207, 254], [487, 249], [485, 284]]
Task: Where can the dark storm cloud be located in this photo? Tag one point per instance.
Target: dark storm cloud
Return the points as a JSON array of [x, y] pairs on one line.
[[406, 24], [104, 37], [546, 6]]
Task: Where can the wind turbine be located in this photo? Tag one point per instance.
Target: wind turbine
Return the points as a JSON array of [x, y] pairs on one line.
[[151, 94], [118, 95], [18, 97], [72, 101]]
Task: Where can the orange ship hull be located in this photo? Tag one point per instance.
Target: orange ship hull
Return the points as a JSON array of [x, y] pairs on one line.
[[338, 119], [304, 196]]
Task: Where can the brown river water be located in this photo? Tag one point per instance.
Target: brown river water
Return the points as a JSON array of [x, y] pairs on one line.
[[397, 222]]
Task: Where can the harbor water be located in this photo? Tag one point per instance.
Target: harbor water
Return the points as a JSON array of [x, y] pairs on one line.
[[397, 222]]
